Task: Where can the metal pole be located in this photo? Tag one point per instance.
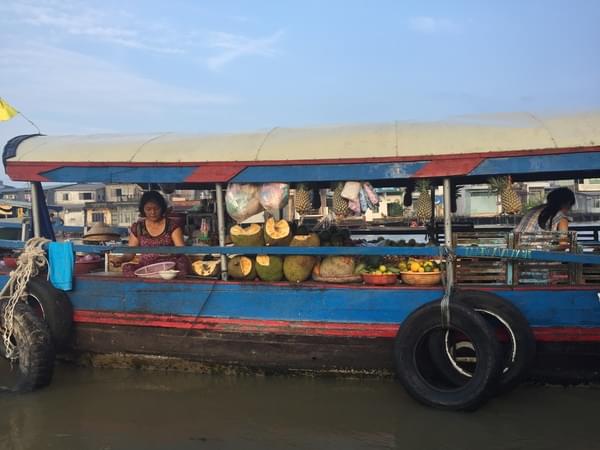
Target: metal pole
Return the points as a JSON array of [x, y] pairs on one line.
[[35, 212], [221, 228], [448, 215]]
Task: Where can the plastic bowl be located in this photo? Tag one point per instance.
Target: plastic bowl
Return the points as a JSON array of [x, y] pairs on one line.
[[168, 274], [10, 262], [421, 278], [380, 280], [153, 270]]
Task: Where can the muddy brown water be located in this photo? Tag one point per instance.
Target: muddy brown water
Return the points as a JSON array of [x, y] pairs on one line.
[[132, 409]]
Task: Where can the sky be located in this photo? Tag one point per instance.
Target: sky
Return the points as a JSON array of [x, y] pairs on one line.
[[80, 67]]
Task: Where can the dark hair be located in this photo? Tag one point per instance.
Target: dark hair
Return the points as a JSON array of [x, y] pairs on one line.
[[557, 199], [153, 197]]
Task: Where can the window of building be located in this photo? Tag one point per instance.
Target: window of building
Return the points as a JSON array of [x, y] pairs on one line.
[[118, 192], [596, 203], [85, 196], [65, 196], [97, 217]]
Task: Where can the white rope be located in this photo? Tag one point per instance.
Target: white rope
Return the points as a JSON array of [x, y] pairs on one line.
[[29, 264]]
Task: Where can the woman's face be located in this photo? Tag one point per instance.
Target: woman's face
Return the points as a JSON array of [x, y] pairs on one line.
[[152, 211]]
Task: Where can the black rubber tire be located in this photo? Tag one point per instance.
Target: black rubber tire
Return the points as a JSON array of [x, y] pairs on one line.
[[408, 344], [35, 364], [55, 308], [515, 363]]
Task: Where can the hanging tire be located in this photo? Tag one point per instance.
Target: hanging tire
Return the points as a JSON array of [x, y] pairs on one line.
[[54, 306], [517, 349], [420, 377], [35, 363]]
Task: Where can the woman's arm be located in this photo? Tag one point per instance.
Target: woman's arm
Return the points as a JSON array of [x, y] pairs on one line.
[[177, 236], [563, 227], [133, 242]]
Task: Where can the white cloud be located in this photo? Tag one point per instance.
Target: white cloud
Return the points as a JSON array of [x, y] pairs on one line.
[[234, 46], [68, 82], [430, 25], [72, 18]]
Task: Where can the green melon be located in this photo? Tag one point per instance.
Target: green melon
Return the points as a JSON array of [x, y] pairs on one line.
[[297, 268], [277, 233], [241, 268], [306, 240], [269, 268], [249, 236]]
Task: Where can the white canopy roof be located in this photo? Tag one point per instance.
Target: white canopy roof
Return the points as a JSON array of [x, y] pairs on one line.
[[493, 133]]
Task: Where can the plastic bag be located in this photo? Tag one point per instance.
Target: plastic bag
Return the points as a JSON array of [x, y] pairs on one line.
[[351, 190], [362, 199], [371, 194], [274, 196], [354, 206], [242, 201]]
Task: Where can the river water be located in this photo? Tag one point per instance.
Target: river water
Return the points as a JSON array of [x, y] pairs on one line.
[[130, 410]]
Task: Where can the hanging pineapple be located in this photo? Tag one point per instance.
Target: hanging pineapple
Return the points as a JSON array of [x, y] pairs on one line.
[[302, 199], [340, 204], [510, 200], [423, 208]]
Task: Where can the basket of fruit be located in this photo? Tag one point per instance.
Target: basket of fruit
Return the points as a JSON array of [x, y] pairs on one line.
[[420, 273], [382, 275]]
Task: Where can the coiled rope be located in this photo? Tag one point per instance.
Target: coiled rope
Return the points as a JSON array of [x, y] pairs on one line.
[[29, 264], [448, 284]]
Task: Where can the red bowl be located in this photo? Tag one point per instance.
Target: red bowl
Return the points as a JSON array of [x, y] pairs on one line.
[[380, 280]]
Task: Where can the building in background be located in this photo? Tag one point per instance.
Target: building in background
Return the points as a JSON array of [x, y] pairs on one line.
[[74, 199]]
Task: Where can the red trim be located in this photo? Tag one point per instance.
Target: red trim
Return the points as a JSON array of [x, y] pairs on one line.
[[306, 328], [448, 167], [214, 173]]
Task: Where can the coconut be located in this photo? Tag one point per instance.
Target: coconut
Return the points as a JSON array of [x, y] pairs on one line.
[[241, 268], [206, 268], [277, 233], [297, 268], [250, 236], [269, 268], [337, 266], [306, 240]]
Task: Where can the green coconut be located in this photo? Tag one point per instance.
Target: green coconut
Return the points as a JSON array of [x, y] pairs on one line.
[[277, 232], [241, 268], [249, 236], [269, 268], [337, 266], [297, 268], [306, 240]]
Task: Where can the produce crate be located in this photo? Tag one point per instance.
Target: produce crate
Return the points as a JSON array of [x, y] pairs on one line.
[[481, 270], [541, 272], [588, 273]]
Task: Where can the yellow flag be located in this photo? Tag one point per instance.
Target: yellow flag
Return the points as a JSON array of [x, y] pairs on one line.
[[7, 112]]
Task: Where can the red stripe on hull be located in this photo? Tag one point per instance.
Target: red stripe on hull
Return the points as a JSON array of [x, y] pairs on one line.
[[338, 329]]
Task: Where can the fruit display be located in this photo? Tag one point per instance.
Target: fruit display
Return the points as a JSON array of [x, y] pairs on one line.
[[303, 198], [510, 200], [381, 269], [247, 236], [419, 265], [423, 207], [335, 237], [337, 266], [269, 268], [206, 268], [340, 204], [277, 232], [241, 268]]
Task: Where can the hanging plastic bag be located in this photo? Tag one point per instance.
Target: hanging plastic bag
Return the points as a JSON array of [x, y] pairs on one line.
[[371, 194], [274, 196], [362, 199], [354, 206], [351, 190], [242, 201]]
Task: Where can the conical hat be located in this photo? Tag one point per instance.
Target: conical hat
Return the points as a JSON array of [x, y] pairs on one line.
[[101, 231]]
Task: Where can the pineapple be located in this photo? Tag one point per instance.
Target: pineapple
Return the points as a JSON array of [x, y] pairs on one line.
[[340, 204], [302, 199], [423, 208], [510, 200]]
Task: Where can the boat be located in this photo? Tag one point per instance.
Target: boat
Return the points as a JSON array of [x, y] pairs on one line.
[[317, 327]]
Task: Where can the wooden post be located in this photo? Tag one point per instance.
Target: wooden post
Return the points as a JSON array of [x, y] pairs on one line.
[[448, 227]]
